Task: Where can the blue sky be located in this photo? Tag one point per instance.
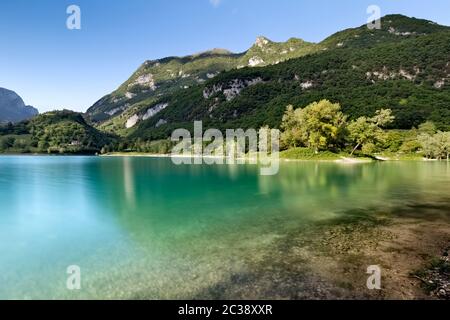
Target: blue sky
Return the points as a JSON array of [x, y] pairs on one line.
[[52, 67]]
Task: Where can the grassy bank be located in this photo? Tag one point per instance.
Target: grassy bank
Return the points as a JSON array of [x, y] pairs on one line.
[[308, 154], [305, 154], [391, 156]]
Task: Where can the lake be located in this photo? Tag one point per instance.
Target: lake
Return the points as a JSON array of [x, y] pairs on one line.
[[143, 228]]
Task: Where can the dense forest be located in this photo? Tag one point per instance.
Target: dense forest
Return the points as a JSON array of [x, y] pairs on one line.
[[57, 132]]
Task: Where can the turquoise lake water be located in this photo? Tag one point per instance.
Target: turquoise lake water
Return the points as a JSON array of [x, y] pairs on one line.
[[143, 227]]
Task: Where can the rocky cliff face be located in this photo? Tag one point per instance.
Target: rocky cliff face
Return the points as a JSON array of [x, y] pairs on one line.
[[13, 109]]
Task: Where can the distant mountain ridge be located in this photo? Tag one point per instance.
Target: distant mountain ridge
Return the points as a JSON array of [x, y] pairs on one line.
[[13, 108], [158, 77]]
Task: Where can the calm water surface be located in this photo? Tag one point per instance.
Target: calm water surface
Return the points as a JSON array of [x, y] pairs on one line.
[[143, 227]]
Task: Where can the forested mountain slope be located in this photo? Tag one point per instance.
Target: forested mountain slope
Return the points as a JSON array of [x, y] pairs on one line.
[[404, 66], [409, 75]]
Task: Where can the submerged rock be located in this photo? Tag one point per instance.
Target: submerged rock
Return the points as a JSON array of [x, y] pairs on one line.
[[437, 277]]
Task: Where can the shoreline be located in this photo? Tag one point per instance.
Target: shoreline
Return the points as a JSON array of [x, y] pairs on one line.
[[144, 155], [341, 160]]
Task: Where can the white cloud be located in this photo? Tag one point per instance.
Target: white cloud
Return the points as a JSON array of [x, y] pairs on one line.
[[215, 3]]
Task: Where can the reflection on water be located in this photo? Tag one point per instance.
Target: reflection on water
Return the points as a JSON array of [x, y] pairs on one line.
[[128, 178], [145, 227]]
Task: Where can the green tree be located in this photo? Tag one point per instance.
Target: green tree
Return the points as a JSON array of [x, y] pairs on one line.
[[435, 146], [319, 126], [428, 145], [428, 128], [366, 130], [410, 146], [442, 143], [6, 143], [291, 136]]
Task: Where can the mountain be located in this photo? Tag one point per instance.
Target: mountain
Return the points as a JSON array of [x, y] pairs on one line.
[[53, 132], [164, 76], [404, 66], [12, 107], [394, 28]]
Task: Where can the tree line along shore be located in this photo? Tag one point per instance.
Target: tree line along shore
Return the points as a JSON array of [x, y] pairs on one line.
[[319, 131]]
